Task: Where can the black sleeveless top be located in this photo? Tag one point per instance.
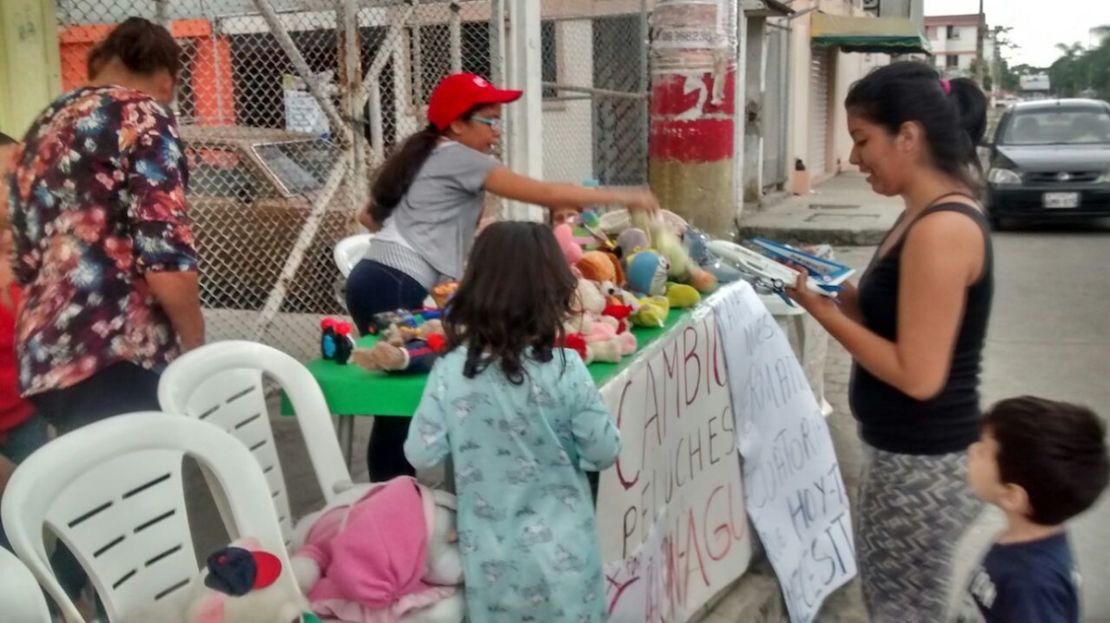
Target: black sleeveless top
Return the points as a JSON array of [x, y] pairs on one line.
[[949, 422]]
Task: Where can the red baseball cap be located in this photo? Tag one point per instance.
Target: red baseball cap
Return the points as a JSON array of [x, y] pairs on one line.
[[458, 93]]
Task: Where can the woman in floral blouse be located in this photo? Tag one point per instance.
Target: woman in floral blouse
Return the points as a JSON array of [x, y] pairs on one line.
[[102, 240]]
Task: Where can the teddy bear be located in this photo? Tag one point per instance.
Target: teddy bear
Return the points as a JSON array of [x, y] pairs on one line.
[[604, 340], [389, 556], [240, 583], [403, 348], [600, 266]]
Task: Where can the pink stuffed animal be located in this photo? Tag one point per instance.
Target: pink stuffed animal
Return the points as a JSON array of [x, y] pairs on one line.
[[388, 557], [571, 251]]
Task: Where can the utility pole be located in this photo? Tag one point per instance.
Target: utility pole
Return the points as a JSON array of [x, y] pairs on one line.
[[692, 133], [979, 65]]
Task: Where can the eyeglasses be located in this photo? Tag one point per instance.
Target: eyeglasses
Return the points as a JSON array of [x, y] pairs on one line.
[[490, 121]]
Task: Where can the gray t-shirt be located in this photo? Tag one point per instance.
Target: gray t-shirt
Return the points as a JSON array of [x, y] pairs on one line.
[[440, 212]]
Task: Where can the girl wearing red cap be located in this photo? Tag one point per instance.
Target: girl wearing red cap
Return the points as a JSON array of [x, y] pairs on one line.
[[426, 203]]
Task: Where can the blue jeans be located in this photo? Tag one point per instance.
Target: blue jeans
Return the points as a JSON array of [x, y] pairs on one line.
[[373, 288]]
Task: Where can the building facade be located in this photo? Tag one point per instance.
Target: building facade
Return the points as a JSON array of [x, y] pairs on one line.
[[953, 42]]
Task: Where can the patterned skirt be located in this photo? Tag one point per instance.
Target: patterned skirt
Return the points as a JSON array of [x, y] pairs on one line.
[[913, 511]]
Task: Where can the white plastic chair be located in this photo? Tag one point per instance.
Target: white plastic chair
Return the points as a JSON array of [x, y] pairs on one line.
[[21, 599], [349, 251], [221, 383], [113, 493]]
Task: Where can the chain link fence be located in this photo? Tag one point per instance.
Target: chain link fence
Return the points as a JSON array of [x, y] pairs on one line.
[[595, 76], [286, 108]]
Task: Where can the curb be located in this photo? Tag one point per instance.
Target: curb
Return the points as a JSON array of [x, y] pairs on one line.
[[804, 235]]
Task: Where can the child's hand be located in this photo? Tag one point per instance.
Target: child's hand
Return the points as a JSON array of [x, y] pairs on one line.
[[643, 200]]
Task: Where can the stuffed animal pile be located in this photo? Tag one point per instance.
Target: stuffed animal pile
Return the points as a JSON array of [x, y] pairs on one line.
[[633, 276]]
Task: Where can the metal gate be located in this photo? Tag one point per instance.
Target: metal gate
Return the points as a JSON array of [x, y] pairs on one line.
[[819, 76], [286, 107], [775, 111]]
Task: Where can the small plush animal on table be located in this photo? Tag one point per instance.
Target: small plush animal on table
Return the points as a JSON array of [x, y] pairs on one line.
[[631, 241], [564, 235], [603, 342], [647, 274], [600, 266], [443, 292], [681, 268], [652, 312], [404, 349]]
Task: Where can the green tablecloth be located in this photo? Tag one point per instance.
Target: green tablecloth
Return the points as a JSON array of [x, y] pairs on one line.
[[351, 390]]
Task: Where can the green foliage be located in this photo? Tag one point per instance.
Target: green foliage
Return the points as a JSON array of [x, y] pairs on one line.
[[1080, 70]]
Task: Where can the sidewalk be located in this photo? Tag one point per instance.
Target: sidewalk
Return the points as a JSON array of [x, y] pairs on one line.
[[842, 211]]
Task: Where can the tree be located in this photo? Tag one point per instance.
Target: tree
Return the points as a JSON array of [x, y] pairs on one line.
[[1000, 69], [987, 77], [1080, 69]]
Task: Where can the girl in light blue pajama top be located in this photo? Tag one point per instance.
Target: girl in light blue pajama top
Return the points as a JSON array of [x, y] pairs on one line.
[[521, 429]]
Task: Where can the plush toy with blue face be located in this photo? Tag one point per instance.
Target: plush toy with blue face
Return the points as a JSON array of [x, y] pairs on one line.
[[647, 273]]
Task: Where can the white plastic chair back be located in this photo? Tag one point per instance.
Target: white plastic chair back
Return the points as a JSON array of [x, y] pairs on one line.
[[221, 383], [112, 492], [349, 251], [21, 599]]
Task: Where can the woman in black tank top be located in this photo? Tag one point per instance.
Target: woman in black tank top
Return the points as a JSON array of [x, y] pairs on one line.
[[915, 329]]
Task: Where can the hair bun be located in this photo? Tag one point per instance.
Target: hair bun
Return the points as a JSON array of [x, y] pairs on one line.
[[971, 104]]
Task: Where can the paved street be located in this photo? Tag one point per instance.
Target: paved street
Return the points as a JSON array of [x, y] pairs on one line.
[[1050, 336]]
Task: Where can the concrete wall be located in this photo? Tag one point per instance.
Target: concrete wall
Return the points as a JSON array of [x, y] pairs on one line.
[[849, 68], [846, 70], [30, 75]]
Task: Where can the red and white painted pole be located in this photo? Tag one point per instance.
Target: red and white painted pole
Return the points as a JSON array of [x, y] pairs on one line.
[[691, 149]]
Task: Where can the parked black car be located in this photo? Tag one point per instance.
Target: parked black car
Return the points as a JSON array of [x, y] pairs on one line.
[[1050, 159]]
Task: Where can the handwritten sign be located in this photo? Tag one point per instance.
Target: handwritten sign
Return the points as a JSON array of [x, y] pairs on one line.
[[671, 513], [794, 490]]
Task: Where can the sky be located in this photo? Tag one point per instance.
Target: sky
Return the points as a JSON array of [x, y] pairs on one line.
[[1038, 25]]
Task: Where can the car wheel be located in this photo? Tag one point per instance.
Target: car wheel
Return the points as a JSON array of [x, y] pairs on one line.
[[997, 223]]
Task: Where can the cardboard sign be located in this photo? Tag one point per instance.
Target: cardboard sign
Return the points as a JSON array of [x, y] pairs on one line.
[[671, 515], [794, 491]]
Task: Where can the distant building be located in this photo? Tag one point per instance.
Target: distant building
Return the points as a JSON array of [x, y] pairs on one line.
[[953, 41], [1099, 34]]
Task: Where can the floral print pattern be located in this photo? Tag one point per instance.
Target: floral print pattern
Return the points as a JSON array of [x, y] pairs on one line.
[[97, 200]]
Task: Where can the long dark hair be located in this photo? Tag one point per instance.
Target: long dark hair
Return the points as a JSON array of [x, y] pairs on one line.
[[953, 113], [395, 176], [512, 301], [141, 45]]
